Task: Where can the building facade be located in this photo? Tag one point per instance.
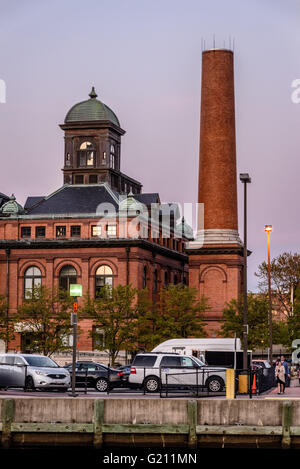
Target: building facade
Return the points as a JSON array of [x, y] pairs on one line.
[[97, 229], [100, 228]]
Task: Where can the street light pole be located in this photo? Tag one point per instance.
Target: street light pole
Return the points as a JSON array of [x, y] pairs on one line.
[[268, 229], [74, 321], [245, 179], [75, 291]]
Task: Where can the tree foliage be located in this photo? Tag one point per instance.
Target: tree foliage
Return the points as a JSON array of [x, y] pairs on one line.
[[129, 320], [257, 320], [180, 314], [6, 323], [285, 278], [177, 314], [113, 313], [46, 316]]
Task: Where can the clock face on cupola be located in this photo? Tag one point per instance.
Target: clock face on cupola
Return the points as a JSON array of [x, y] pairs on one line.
[[93, 146]]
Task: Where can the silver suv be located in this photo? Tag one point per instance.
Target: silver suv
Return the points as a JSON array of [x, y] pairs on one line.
[[153, 370], [31, 372]]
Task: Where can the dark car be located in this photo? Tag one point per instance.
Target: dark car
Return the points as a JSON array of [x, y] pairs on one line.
[[125, 369], [96, 375]]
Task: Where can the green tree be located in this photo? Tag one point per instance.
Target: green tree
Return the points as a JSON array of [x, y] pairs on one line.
[[6, 323], [114, 313], [46, 316], [285, 278], [180, 313], [257, 320], [146, 333], [293, 322]]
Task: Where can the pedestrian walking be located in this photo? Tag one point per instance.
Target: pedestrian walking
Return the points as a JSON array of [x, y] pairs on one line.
[[286, 372], [279, 375]]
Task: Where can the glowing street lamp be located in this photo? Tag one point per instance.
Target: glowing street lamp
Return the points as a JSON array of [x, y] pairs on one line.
[[268, 229]]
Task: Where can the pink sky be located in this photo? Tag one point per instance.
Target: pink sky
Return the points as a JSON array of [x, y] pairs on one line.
[[144, 59]]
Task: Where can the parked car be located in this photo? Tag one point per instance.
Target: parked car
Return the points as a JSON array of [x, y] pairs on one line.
[[126, 373], [149, 370], [262, 363], [32, 372], [96, 375]]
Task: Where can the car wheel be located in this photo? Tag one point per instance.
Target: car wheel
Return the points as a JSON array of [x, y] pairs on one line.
[[101, 385], [29, 384], [215, 384], [152, 384]]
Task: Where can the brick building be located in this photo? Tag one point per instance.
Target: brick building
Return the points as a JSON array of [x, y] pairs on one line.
[[98, 228]]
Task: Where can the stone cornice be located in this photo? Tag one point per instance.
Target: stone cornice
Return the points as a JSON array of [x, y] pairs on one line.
[[90, 243]]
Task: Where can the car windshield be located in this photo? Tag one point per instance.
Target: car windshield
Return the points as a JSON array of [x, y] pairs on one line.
[[199, 362], [44, 362]]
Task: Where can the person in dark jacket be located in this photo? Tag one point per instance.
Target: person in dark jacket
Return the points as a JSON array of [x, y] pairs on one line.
[[286, 373]]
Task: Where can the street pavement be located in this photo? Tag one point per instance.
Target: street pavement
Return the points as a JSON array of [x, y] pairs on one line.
[[292, 392]]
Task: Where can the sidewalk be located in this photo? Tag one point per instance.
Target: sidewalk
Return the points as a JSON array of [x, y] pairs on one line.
[[293, 392]]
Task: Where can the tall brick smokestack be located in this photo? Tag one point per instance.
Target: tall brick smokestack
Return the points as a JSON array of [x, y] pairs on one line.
[[217, 165], [216, 259]]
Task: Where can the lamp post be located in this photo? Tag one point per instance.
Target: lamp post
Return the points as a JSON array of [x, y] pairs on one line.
[[75, 291], [268, 229], [245, 179]]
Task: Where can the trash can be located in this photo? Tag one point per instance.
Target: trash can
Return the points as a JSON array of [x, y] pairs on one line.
[[243, 384]]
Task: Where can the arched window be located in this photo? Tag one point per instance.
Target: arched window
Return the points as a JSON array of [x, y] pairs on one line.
[[86, 154], [32, 280], [145, 277], [112, 157], [104, 276], [67, 275]]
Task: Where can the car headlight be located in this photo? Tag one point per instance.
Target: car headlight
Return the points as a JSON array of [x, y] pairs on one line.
[[41, 373]]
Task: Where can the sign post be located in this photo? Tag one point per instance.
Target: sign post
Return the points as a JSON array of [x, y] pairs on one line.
[[75, 291]]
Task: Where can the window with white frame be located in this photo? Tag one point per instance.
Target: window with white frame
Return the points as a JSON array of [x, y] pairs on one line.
[[32, 280], [103, 277], [96, 231], [111, 230]]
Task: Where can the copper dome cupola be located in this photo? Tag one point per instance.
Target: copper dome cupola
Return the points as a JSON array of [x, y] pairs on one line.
[[93, 146]]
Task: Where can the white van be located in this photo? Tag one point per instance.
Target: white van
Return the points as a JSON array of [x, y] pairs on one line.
[[215, 352]]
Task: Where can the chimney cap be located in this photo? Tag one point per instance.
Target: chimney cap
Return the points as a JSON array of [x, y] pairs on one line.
[[217, 49]]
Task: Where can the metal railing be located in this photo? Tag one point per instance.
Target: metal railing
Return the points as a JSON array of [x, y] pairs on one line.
[[258, 381], [197, 383], [170, 381]]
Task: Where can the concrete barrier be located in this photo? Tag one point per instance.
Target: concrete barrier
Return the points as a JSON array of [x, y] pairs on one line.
[[144, 422]]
